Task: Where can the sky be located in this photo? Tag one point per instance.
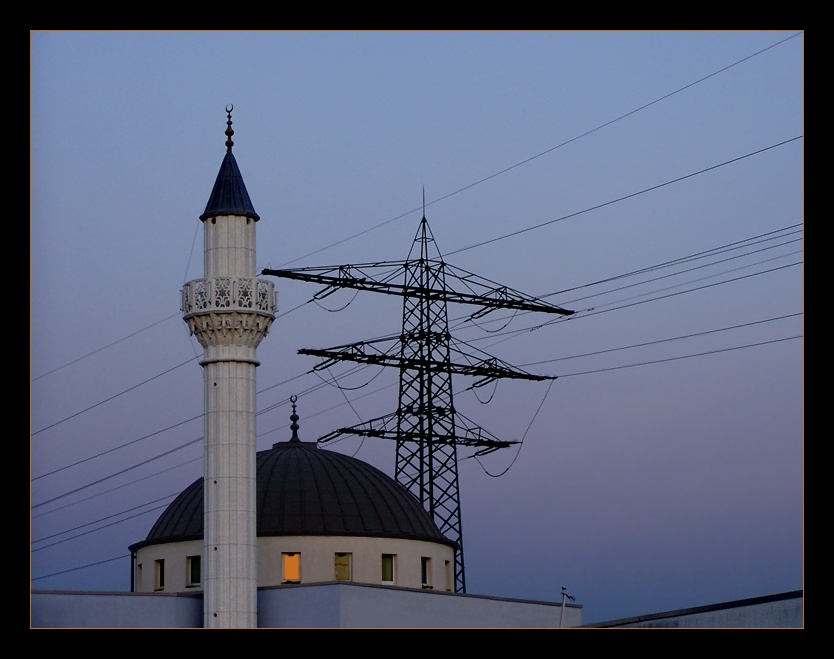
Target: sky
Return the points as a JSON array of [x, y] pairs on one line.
[[650, 181]]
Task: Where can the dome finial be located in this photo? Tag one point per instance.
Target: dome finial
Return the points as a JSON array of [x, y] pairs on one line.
[[294, 419], [229, 131]]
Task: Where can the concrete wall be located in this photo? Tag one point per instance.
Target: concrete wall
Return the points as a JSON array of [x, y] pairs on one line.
[[781, 610], [348, 605], [332, 605], [365, 606], [52, 609]]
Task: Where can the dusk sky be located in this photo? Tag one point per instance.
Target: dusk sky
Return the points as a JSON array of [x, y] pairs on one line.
[[650, 181]]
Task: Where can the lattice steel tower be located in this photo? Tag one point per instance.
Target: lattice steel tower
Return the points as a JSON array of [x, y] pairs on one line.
[[426, 427]]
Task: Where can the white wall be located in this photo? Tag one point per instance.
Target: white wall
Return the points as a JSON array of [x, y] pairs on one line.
[[362, 606], [72, 609], [333, 605], [777, 611], [317, 561]]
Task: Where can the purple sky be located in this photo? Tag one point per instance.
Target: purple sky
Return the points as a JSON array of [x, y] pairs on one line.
[[651, 181]]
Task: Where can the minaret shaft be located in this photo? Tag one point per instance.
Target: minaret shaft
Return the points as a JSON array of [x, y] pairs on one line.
[[229, 311], [229, 247], [229, 508]]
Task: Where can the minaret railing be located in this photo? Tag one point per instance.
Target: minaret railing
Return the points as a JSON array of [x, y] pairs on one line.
[[217, 294]]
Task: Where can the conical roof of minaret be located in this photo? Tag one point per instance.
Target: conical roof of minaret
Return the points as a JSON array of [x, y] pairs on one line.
[[229, 195]]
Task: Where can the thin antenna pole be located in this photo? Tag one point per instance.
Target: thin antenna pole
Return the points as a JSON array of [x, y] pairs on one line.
[[564, 597]]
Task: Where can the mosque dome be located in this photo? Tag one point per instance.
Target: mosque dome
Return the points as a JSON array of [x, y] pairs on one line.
[[303, 490], [349, 520]]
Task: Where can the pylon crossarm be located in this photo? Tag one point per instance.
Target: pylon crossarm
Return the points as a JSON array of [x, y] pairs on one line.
[[383, 426], [354, 353], [488, 369], [482, 292], [470, 435], [498, 296]]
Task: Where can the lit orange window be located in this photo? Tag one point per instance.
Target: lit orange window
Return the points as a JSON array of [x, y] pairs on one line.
[[292, 566]]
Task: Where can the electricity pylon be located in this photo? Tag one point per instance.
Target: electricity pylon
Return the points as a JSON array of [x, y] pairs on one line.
[[425, 426]]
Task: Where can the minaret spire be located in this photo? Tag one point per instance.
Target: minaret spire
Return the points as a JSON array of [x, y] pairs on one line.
[[229, 195], [229, 311], [294, 418], [229, 131]]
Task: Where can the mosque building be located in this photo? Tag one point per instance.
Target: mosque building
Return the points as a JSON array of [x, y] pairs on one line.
[[321, 517]]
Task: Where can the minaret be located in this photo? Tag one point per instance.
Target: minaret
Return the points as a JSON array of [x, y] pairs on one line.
[[230, 311]]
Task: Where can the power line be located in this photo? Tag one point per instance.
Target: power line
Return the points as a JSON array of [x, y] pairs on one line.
[[82, 567], [619, 199], [109, 345], [107, 400], [116, 448], [700, 267], [672, 359], [101, 528], [119, 473], [739, 244], [113, 489], [101, 519], [594, 311], [659, 341], [699, 255], [543, 153]]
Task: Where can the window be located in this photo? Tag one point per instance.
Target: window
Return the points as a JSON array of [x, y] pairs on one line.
[[448, 569], [425, 572], [192, 566], [342, 566], [159, 574], [292, 566], [388, 574]]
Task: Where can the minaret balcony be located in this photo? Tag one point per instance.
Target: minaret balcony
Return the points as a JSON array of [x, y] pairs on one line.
[[217, 309]]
